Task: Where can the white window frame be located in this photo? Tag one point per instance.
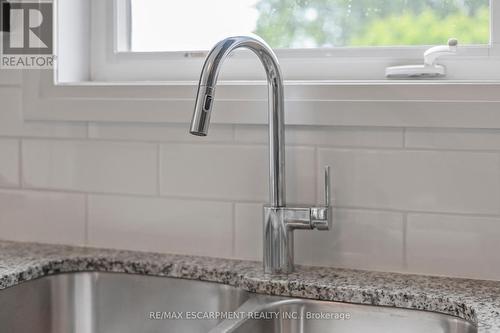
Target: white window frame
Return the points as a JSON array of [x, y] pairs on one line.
[[111, 18], [108, 86]]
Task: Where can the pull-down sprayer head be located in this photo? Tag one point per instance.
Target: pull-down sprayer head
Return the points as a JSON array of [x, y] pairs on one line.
[[206, 86], [210, 72], [202, 110]]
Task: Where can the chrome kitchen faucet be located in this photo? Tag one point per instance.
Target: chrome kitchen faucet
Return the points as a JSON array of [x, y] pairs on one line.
[[279, 220]]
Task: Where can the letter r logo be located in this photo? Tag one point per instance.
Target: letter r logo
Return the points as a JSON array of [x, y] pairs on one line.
[[30, 28]]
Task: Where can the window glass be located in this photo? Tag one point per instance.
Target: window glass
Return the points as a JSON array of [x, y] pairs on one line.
[[190, 25]]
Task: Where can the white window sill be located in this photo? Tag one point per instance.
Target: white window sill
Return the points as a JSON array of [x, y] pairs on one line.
[[337, 103]]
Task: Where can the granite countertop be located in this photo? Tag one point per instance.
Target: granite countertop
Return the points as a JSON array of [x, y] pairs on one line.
[[474, 300]]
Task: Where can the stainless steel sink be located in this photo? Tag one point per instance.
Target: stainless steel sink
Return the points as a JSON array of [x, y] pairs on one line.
[[122, 303], [285, 315], [112, 303]]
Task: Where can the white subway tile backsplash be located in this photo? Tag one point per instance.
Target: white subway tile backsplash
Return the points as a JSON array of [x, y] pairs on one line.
[[233, 172], [325, 135], [379, 175], [453, 139], [91, 166], [248, 228], [358, 239], [45, 217], [158, 132], [9, 163], [159, 224], [13, 124], [459, 182], [10, 77], [462, 246]]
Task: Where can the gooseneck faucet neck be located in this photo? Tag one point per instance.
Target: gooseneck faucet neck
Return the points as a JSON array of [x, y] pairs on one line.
[[205, 101]]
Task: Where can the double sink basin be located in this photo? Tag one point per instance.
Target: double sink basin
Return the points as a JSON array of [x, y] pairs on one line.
[[125, 303]]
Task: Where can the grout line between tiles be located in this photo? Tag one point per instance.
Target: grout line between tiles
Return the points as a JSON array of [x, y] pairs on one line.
[[245, 201], [404, 138], [86, 217], [159, 166], [403, 211], [498, 174], [10, 86], [256, 144], [315, 172], [20, 163], [405, 241], [233, 133], [87, 132], [233, 230]]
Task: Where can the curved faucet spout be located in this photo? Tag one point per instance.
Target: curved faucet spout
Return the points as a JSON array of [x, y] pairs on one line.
[[206, 95]]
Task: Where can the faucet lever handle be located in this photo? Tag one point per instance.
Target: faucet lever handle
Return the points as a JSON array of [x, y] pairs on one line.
[[327, 186], [321, 216]]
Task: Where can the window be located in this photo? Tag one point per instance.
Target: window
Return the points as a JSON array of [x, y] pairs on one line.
[[122, 60], [296, 24], [315, 40]]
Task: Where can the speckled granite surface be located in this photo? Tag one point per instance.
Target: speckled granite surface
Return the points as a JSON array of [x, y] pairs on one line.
[[477, 301]]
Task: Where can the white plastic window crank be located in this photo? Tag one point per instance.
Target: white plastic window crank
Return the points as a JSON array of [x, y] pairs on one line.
[[431, 55], [429, 69]]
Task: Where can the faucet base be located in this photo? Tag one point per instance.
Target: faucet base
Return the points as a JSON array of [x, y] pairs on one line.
[[279, 224], [278, 242]]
